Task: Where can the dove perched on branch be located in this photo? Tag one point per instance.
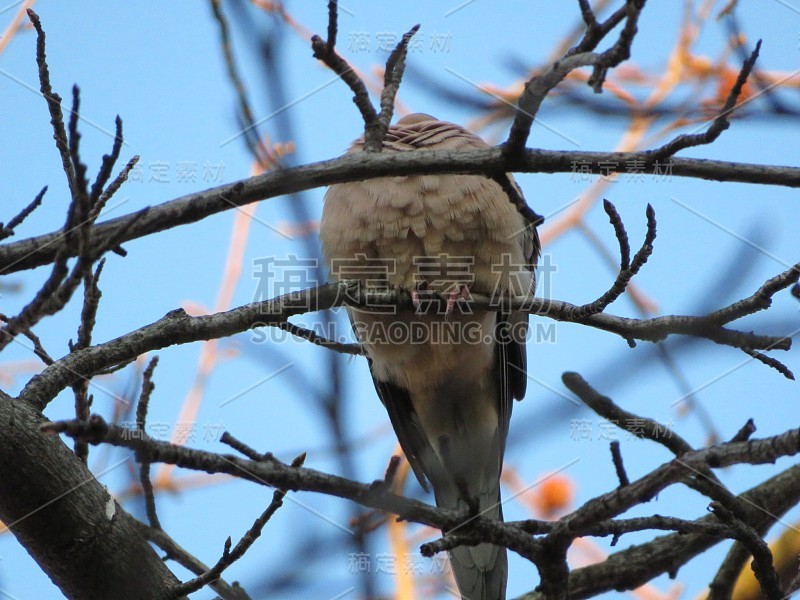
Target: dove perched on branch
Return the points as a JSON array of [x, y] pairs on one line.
[[447, 375]]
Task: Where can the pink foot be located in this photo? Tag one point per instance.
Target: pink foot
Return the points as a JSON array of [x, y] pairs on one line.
[[415, 300], [415, 296], [460, 293]]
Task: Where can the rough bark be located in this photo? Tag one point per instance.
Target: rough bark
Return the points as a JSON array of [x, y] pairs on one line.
[[66, 519]]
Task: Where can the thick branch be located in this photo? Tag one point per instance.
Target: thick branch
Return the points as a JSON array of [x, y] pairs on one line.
[[276, 474], [41, 250], [177, 327], [635, 566], [77, 533]]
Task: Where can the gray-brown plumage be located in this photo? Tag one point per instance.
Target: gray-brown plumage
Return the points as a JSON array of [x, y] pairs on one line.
[[446, 378]]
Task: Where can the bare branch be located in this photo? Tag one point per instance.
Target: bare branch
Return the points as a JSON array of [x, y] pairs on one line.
[[275, 473], [318, 340], [230, 556], [635, 566], [479, 529], [760, 300], [77, 231], [771, 362], [107, 164], [762, 556], [176, 552], [38, 349], [326, 52], [702, 479], [177, 327], [721, 123], [62, 283], [747, 430], [626, 273], [622, 235], [91, 300], [8, 230], [144, 467], [393, 75], [619, 466], [41, 250], [53, 104], [538, 87], [239, 446], [596, 32], [106, 195]]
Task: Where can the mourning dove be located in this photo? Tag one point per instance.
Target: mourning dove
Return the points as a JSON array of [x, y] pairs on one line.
[[446, 376]]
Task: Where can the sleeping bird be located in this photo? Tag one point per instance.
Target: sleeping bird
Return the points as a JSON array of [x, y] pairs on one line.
[[446, 373]]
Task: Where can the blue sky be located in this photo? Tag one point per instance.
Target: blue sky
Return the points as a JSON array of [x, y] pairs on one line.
[[159, 67]]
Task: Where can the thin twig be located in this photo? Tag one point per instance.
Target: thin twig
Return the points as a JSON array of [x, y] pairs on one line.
[[260, 151], [176, 552], [91, 301], [773, 363], [144, 466], [627, 273], [109, 192], [391, 471], [53, 103], [318, 340], [619, 466], [392, 76], [703, 479], [74, 139], [479, 529], [230, 556], [540, 86], [326, 52], [107, 165], [621, 50], [38, 349], [595, 32], [239, 446], [622, 235], [8, 230], [720, 123], [747, 430], [761, 298], [762, 566]]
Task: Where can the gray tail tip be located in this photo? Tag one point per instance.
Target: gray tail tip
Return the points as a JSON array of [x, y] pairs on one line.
[[475, 583]]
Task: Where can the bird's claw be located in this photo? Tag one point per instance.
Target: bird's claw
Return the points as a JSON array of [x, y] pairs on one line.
[[417, 299], [422, 298], [460, 293]]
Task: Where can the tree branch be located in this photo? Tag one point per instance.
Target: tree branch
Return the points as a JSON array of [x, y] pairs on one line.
[[540, 86], [635, 566], [77, 533], [177, 327], [476, 530], [42, 250]]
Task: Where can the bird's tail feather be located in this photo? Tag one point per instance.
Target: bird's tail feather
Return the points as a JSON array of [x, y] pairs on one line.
[[480, 571]]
